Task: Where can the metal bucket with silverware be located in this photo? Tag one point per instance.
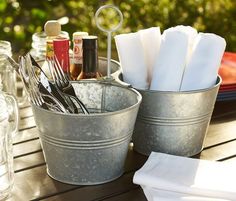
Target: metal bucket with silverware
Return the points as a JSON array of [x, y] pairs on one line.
[[87, 146], [90, 148], [84, 126]]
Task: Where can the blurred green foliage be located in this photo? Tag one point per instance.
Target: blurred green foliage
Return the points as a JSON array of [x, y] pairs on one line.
[[19, 19]]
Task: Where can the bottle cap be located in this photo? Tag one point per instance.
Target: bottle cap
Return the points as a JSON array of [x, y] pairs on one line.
[[52, 28], [79, 34], [90, 42]]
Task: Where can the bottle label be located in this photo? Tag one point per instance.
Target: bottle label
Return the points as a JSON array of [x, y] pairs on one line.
[[61, 51], [49, 50], [78, 51]]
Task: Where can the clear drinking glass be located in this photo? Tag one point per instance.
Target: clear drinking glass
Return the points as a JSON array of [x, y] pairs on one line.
[[8, 126], [8, 78]]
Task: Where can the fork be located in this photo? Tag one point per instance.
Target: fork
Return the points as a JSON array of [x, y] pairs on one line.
[[50, 89], [38, 99], [31, 87], [63, 83]]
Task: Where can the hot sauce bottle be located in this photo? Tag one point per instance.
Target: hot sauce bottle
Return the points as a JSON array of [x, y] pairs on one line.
[[90, 58], [76, 66], [61, 48]]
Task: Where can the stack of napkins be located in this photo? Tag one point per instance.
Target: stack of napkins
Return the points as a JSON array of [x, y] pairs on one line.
[[166, 177], [181, 59]]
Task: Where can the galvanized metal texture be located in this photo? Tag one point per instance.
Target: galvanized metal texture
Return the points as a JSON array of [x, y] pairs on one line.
[[174, 122], [89, 149]]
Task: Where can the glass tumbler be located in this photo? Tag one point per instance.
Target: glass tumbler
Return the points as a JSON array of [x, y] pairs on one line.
[[8, 78], [8, 126]]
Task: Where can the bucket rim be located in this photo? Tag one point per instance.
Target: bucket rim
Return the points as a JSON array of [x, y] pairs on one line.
[[113, 83], [218, 82]]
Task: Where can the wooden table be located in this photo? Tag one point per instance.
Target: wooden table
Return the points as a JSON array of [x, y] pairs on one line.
[[33, 183]]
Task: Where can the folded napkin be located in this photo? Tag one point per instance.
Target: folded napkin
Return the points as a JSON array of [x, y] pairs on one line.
[[151, 40], [132, 58], [202, 69], [170, 63], [188, 176], [192, 34], [153, 194]]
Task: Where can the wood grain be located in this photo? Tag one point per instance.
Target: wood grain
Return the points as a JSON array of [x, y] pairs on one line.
[[33, 183]]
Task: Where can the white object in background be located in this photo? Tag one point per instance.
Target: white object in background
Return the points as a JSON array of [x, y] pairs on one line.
[[132, 59], [170, 63], [188, 176], [151, 41], [202, 70]]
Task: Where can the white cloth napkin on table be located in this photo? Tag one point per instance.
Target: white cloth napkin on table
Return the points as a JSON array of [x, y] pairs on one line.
[[131, 56], [151, 41], [188, 176], [202, 69], [153, 194], [170, 63]]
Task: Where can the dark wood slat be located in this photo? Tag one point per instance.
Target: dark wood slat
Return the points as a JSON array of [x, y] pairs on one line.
[[39, 173], [132, 195], [220, 132], [98, 192], [219, 152], [27, 123], [26, 135], [134, 160], [224, 110], [34, 182], [26, 112], [29, 161], [26, 148]]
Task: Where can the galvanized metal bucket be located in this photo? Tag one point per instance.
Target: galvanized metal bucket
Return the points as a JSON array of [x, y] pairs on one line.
[[174, 122], [89, 149]]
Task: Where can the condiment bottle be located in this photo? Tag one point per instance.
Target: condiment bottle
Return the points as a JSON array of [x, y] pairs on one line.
[[52, 29], [61, 48], [76, 66], [90, 58], [39, 43]]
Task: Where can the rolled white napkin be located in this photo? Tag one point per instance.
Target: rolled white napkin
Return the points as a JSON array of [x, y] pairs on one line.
[[169, 65], [151, 41], [132, 59], [188, 176], [192, 34], [153, 194], [202, 69]]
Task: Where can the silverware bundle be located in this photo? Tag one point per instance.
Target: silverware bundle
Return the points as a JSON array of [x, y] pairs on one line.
[[57, 95]]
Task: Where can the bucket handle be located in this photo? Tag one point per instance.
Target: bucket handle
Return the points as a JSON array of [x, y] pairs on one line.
[[109, 33]]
